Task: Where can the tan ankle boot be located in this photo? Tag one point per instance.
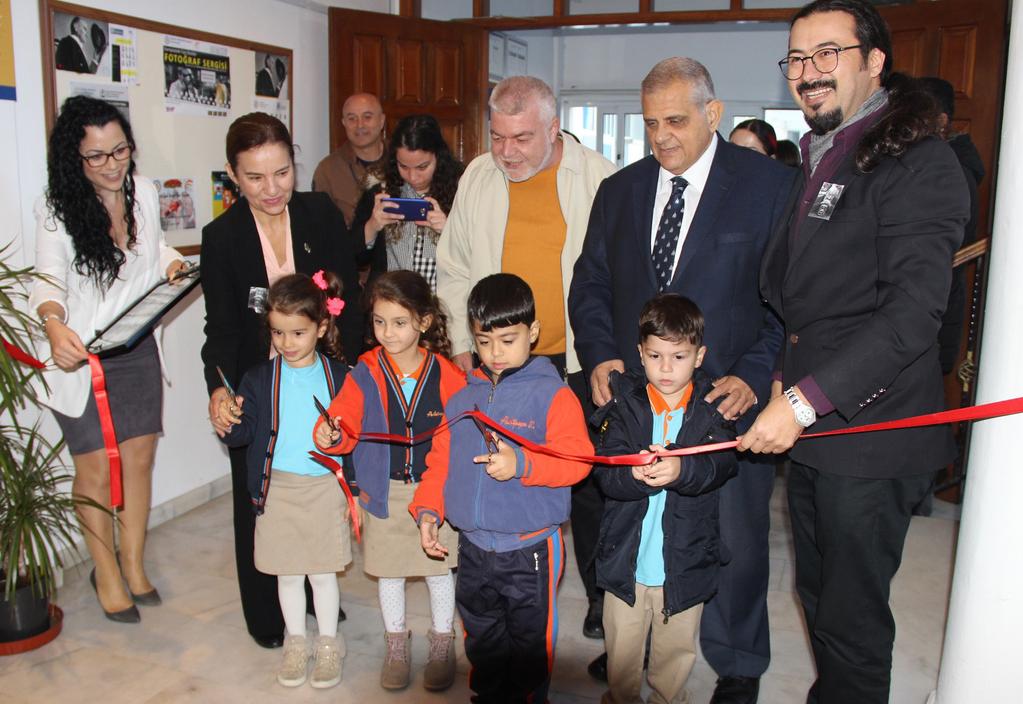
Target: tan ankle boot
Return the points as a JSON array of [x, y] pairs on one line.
[[440, 665], [327, 664], [397, 662]]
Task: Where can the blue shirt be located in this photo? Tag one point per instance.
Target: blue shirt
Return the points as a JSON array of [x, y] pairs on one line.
[[298, 416], [650, 559]]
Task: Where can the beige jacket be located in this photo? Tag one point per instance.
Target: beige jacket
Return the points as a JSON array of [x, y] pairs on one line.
[[472, 243]]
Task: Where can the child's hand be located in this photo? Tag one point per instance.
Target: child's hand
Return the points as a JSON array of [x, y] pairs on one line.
[[663, 471], [326, 436], [230, 411], [500, 465], [639, 471], [428, 537]]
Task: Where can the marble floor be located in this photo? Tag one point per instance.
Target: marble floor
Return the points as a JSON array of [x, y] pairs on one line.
[[195, 648]]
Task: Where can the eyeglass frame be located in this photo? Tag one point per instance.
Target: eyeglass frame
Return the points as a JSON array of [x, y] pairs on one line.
[[88, 159], [784, 63]]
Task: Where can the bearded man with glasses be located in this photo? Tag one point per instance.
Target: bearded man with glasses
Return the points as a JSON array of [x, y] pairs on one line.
[[860, 275]]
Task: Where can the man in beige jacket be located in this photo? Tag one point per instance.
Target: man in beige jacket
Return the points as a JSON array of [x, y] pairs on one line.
[[523, 208]]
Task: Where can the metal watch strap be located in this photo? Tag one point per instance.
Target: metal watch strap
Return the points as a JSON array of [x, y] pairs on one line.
[[805, 415]]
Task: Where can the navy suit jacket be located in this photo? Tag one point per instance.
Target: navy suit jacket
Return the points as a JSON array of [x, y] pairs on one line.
[[745, 196]]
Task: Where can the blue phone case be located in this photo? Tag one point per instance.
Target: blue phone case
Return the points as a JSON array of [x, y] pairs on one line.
[[411, 208]]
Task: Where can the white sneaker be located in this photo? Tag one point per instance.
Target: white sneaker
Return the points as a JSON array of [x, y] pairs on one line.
[[327, 663], [296, 660]]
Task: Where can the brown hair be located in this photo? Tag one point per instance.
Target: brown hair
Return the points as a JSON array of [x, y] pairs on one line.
[[255, 130], [412, 292], [298, 294], [671, 317]]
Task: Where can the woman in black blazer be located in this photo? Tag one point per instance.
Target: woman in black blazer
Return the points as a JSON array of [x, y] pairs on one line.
[[270, 232]]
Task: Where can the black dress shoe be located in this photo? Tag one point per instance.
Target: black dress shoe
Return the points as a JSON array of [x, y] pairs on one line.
[[268, 641], [598, 668], [593, 625], [150, 598], [129, 615], [736, 690]]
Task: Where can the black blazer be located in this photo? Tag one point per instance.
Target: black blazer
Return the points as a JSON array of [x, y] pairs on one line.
[[232, 263], [862, 296], [745, 196], [692, 538]]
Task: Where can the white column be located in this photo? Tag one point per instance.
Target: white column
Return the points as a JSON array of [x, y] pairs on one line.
[[981, 658]]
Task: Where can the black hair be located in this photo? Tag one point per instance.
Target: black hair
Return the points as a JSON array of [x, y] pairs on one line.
[[942, 92], [298, 294], [912, 116], [72, 198], [871, 29], [788, 153], [671, 317], [422, 133], [412, 292], [763, 131], [500, 301]]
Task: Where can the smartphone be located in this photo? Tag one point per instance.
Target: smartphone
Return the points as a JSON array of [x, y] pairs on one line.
[[411, 208]]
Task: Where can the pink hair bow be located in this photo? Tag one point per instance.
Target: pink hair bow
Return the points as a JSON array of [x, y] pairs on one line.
[[335, 306]]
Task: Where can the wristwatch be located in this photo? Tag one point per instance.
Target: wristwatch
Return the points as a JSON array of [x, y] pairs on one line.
[[805, 415]]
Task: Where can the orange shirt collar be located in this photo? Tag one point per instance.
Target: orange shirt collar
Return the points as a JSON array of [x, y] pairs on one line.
[[659, 405], [419, 370]]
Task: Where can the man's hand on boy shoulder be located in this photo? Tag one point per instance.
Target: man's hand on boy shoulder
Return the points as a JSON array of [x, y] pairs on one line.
[[500, 465], [428, 532], [738, 396], [662, 472]]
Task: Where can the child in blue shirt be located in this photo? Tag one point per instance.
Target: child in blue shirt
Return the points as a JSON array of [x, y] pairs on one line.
[[659, 546], [301, 524]]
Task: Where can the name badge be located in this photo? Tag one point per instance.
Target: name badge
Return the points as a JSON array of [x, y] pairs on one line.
[[257, 299], [826, 201]]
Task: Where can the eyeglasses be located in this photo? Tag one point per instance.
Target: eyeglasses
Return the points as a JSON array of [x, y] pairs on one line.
[[824, 60], [100, 159]]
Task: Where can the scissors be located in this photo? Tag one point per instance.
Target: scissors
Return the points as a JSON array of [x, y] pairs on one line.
[[488, 437], [323, 412], [223, 380]]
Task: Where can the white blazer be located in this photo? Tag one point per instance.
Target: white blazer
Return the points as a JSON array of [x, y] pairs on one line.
[[87, 307]]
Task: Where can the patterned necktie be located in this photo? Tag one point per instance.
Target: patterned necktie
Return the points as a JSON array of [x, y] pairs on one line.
[[663, 254]]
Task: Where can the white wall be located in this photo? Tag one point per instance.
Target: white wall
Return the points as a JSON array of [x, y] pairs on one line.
[[188, 456]]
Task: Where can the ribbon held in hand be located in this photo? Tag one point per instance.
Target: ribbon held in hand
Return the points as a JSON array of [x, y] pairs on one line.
[[335, 467], [106, 423]]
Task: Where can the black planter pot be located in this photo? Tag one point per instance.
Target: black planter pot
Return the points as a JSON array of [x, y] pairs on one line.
[[25, 616]]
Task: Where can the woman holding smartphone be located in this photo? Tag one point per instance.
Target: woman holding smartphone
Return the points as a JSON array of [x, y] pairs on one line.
[[418, 164]]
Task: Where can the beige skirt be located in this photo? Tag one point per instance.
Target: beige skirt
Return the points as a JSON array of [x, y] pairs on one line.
[[391, 546], [304, 526]]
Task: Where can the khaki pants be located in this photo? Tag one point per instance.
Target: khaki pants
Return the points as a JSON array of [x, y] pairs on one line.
[[672, 648]]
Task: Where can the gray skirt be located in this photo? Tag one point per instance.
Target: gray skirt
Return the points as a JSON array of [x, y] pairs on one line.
[[304, 526], [135, 391]]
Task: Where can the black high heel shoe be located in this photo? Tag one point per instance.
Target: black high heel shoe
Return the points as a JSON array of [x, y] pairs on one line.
[[129, 615], [150, 598]]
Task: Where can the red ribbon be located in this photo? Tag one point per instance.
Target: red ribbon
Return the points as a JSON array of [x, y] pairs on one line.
[[981, 412], [106, 422], [335, 467], [21, 356]]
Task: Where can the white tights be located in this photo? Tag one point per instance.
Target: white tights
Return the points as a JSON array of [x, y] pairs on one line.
[[326, 602], [442, 602]]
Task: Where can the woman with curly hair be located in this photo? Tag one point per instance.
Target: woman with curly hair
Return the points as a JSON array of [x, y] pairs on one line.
[[100, 246], [418, 164]]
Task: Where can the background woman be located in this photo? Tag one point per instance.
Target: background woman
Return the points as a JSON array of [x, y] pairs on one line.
[[756, 135], [272, 231], [418, 164], [99, 241]]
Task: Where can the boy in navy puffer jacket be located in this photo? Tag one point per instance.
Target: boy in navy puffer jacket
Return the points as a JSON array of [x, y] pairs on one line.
[[508, 501]]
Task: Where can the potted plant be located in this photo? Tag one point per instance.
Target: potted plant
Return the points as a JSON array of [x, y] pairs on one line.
[[37, 513]]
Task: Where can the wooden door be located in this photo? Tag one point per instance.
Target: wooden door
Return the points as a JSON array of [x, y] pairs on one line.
[[964, 42], [413, 66]]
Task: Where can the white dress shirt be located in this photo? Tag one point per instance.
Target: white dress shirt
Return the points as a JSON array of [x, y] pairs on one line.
[[696, 175]]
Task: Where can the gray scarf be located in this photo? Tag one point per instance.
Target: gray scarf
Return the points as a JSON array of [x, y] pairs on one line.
[[821, 143]]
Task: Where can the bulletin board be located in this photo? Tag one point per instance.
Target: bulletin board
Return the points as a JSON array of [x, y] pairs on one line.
[[181, 89]]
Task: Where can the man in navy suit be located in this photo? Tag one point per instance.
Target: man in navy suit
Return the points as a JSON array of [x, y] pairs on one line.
[[727, 202]]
